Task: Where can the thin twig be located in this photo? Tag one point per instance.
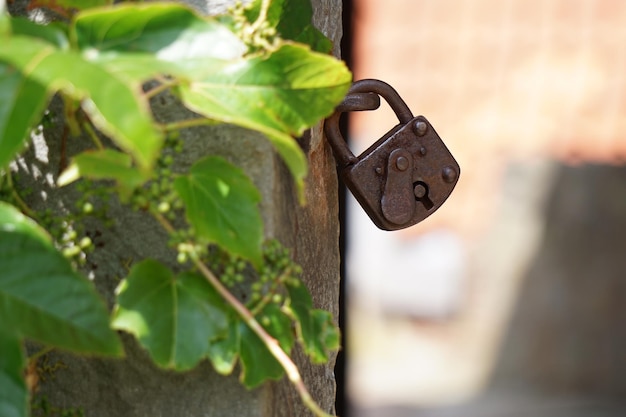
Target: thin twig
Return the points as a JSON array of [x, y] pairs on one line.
[[265, 5], [271, 343], [93, 135], [16, 196], [35, 356], [183, 124], [164, 223], [164, 85]]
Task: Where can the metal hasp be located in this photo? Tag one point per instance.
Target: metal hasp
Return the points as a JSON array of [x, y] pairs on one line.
[[406, 175]]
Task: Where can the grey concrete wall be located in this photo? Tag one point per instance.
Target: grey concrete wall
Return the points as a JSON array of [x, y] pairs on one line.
[[134, 387]]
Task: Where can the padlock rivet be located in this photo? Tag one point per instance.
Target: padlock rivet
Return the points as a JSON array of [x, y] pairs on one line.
[[419, 190], [379, 170], [420, 128], [449, 174], [402, 163], [423, 151]]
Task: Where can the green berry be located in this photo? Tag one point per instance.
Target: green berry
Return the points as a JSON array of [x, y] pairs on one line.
[[163, 207], [71, 252], [87, 208], [69, 236], [85, 242]]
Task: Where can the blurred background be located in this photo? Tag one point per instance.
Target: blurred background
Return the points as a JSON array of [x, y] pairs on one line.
[[511, 299]]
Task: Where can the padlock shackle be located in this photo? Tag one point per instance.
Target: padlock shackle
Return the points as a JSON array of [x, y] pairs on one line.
[[363, 95], [391, 96], [343, 154]]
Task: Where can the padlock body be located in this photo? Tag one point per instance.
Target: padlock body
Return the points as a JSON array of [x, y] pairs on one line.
[[434, 173]]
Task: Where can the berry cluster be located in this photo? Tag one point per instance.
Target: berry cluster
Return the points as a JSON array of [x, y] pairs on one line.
[[231, 269], [278, 269], [159, 196], [258, 34]]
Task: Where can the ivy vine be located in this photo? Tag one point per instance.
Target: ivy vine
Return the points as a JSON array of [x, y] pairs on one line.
[[263, 67]]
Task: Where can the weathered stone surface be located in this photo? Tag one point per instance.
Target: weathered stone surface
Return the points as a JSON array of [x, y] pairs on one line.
[[134, 387]]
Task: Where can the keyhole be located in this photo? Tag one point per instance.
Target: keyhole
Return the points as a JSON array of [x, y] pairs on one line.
[[420, 189]]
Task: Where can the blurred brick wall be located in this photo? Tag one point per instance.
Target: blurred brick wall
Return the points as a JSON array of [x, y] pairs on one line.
[[509, 85], [499, 80]]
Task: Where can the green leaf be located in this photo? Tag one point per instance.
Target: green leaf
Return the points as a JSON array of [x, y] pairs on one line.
[[54, 33], [277, 324], [315, 328], [280, 95], [103, 164], [13, 221], [223, 352], [174, 318], [41, 297], [115, 106], [221, 204], [13, 391], [22, 102], [292, 20], [257, 363], [142, 40]]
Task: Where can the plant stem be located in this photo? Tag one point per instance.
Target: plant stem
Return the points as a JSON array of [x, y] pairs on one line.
[[272, 344], [35, 356], [265, 5], [92, 134], [164, 85], [183, 124], [18, 200], [164, 222], [255, 34], [71, 107]]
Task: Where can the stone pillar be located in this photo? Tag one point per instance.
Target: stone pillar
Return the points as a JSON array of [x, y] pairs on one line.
[[134, 387]]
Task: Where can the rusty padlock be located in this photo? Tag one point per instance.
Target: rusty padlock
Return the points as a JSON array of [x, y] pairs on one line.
[[407, 174]]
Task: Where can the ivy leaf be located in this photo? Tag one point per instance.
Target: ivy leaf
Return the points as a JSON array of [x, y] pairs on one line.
[[292, 20], [174, 318], [142, 40], [41, 297], [221, 204], [12, 220], [315, 328], [257, 363], [279, 94], [223, 352], [13, 390], [278, 324], [54, 33], [104, 164], [16, 119], [115, 106]]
